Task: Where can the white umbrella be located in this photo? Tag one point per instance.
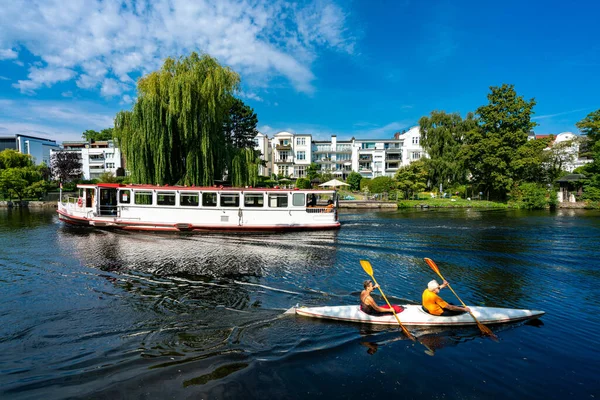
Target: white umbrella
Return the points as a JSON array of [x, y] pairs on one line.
[[333, 183]]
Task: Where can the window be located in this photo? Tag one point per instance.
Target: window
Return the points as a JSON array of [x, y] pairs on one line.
[[300, 141], [209, 199], [230, 200], [300, 171], [143, 198], [298, 199], [189, 199], [124, 196], [415, 140], [254, 200], [301, 155], [165, 198], [278, 200], [110, 165], [416, 155], [283, 170], [256, 142]]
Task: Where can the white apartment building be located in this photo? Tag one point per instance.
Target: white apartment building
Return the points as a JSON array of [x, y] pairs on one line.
[[96, 157], [293, 153]]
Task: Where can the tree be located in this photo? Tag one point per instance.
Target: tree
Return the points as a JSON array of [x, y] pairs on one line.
[[354, 180], [590, 126], [412, 178], [240, 125], [441, 137], [382, 184], [66, 165], [244, 167], [491, 148], [16, 181], [533, 162], [303, 183], [10, 158], [94, 136], [174, 133], [312, 171]]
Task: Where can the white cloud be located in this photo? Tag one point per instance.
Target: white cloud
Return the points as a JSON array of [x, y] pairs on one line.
[[97, 42], [250, 96], [111, 87], [8, 54], [43, 76]]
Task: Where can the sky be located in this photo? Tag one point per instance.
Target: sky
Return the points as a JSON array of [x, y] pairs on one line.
[[352, 68]]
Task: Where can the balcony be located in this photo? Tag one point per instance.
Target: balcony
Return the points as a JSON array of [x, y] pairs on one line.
[[284, 160], [394, 150], [283, 147], [323, 160], [394, 157], [363, 159]]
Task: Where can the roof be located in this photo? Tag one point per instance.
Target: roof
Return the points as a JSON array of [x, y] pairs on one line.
[[571, 178]]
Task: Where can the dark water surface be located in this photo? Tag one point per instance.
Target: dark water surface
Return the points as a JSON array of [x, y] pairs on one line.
[[97, 314]]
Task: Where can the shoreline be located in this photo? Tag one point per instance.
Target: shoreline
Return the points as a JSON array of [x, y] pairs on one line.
[[349, 204]]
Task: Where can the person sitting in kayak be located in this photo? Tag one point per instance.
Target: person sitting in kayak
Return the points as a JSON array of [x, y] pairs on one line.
[[368, 305], [435, 305]]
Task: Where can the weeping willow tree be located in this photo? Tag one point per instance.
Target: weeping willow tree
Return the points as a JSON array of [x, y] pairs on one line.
[[174, 133], [244, 167]]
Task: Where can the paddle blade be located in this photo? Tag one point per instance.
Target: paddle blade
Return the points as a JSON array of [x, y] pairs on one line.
[[433, 266], [486, 331], [367, 267]]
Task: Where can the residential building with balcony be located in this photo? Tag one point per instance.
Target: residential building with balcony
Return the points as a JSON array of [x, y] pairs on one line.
[[333, 156], [291, 154], [97, 158]]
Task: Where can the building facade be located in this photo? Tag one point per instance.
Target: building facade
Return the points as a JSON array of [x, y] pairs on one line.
[[38, 148], [292, 154], [96, 158]]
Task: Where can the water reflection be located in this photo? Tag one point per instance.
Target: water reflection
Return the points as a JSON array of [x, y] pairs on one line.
[[193, 255], [433, 339]]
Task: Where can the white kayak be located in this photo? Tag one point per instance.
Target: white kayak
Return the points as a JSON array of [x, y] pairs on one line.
[[414, 315]]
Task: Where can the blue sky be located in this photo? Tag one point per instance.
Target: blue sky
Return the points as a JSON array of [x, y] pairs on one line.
[[350, 68]]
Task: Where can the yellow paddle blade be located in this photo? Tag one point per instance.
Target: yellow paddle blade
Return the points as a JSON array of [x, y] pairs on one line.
[[433, 266], [367, 267]]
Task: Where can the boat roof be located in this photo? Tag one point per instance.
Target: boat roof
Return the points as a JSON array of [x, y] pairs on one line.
[[194, 188]]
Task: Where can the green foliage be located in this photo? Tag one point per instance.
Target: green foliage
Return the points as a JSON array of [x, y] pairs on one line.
[[590, 126], [244, 167], [591, 193], [354, 180], [240, 125], [364, 184], [382, 184], [303, 183], [174, 133], [412, 178], [529, 195], [533, 163], [107, 177], [94, 136], [441, 137], [312, 171], [491, 148], [16, 181], [10, 158]]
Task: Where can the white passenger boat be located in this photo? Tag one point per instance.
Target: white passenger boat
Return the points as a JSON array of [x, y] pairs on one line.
[[179, 208], [415, 315]]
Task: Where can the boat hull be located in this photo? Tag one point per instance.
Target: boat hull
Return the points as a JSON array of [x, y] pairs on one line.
[[414, 315]]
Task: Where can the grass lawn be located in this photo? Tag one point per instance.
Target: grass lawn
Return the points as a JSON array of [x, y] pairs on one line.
[[449, 203]]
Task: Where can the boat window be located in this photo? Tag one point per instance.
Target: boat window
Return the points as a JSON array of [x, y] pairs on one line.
[[144, 198], [209, 199], [189, 199], [254, 200], [124, 196], [165, 198], [298, 199], [230, 200], [278, 200]]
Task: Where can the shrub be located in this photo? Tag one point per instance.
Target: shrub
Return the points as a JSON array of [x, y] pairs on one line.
[[529, 195], [303, 183], [354, 180]]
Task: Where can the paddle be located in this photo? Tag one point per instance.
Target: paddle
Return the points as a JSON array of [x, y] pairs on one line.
[[369, 270], [484, 329]]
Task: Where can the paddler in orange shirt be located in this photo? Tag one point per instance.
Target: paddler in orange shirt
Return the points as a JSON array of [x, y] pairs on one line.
[[435, 305]]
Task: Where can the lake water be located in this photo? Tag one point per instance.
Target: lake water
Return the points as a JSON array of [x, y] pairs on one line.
[[88, 313]]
